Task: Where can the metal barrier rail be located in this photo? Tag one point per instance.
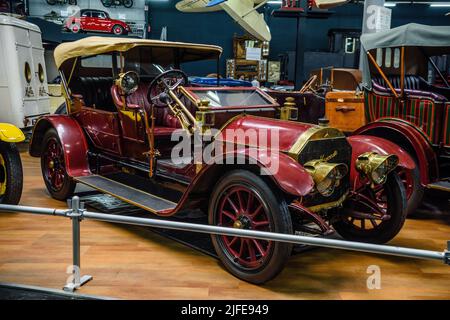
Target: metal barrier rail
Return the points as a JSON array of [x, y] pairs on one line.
[[78, 213]]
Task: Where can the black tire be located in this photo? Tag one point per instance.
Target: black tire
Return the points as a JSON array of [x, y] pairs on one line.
[[73, 2], [277, 213], [51, 2], [415, 200], [386, 230], [107, 3], [67, 187], [11, 173], [115, 29], [127, 3]]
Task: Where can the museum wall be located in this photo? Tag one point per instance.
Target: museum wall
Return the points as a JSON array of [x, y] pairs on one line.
[[218, 28], [39, 8]]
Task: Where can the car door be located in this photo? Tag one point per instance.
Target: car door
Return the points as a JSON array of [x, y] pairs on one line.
[[85, 20], [103, 22]]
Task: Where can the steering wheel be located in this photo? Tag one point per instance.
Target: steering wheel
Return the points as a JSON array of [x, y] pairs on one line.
[[168, 81], [309, 84]]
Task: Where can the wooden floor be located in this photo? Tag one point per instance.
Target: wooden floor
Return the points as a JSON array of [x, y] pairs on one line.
[[134, 263]]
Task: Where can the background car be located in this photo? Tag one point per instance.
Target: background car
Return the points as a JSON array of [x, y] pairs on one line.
[[11, 173], [96, 21]]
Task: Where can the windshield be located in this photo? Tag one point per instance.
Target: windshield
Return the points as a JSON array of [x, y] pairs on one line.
[[442, 64], [232, 98]]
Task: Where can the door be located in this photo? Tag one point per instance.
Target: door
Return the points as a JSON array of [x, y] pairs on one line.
[[102, 128], [85, 20], [99, 21]]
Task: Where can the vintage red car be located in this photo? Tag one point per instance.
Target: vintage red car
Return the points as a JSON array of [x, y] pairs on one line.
[[135, 127], [90, 20]]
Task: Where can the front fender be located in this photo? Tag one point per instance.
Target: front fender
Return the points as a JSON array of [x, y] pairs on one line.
[[72, 139], [285, 172], [10, 133], [361, 144]]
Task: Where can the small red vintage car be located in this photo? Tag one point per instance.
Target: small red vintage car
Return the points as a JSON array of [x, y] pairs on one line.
[[91, 20], [138, 130]]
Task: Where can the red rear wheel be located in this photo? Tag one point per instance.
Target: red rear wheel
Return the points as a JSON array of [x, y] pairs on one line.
[[53, 167], [243, 200]]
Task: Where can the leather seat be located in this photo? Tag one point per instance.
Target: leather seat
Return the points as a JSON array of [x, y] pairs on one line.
[[414, 85], [412, 82], [165, 121], [95, 92]]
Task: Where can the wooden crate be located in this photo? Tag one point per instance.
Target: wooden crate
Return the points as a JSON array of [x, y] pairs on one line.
[[345, 110]]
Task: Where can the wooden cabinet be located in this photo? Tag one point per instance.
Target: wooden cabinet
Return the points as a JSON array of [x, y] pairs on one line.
[[249, 69], [345, 110]]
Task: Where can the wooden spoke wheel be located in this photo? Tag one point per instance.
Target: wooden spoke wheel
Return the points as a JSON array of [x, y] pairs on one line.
[[53, 166], [243, 200], [374, 214]]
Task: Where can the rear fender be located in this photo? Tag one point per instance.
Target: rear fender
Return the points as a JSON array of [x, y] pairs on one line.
[[72, 138], [411, 140]]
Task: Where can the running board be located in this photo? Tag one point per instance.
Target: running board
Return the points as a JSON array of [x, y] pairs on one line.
[[440, 185], [139, 198]]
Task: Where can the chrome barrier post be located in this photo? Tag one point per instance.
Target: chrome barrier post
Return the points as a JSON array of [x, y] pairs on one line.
[[447, 254], [76, 215]]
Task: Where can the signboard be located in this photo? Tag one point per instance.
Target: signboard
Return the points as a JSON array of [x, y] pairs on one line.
[[253, 54]]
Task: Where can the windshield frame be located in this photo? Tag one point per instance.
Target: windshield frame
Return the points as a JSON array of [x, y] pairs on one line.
[[271, 103]]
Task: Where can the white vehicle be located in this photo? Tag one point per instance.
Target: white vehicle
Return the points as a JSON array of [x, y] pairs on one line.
[[23, 81]]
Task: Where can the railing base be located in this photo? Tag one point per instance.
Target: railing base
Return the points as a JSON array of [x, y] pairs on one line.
[[71, 287]]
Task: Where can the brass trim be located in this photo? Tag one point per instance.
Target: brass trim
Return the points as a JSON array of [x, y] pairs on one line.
[[329, 205], [313, 133], [437, 187], [41, 73], [188, 95], [27, 72]]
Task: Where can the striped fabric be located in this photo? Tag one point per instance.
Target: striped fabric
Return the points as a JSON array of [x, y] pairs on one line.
[[446, 131], [420, 112]]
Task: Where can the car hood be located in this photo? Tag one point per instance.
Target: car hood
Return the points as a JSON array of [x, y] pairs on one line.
[[285, 136]]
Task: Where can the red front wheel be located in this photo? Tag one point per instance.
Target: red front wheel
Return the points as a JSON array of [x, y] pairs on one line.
[[53, 166], [373, 214], [243, 200]]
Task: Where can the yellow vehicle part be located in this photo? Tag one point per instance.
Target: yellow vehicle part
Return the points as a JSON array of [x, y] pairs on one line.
[[10, 133], [3, 174]]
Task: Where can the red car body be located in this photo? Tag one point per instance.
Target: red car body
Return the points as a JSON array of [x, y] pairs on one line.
[[122, 144], [96, 21]]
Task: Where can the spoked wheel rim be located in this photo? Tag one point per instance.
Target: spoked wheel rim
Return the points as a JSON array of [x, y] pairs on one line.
[[367, 208], [54, 166], [408, 181], [3, 176], [242, 207]]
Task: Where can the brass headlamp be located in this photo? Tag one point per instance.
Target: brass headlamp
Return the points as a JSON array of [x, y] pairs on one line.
[[376, 167], [326, 175], [289, 111], [204, 116]]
